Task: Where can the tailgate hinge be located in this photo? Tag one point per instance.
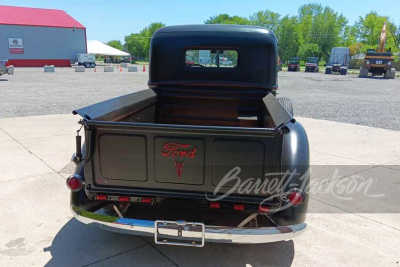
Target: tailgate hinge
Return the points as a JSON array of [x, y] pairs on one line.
[[283, 129]]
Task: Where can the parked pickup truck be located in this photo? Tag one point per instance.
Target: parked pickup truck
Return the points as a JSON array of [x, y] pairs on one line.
[[206, 154], [294, 64], [312, 64]]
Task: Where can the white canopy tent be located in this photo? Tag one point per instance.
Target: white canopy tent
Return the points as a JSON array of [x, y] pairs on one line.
[[99, 48]]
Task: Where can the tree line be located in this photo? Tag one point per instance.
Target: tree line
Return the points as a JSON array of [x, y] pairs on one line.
[[312, 32]]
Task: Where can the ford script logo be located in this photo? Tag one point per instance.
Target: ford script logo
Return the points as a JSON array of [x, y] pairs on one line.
[[179, 152]]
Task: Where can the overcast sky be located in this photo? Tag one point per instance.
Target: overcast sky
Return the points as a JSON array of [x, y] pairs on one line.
[[106, 20]]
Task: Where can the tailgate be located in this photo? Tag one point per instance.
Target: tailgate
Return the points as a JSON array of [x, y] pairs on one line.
[[183, 158]]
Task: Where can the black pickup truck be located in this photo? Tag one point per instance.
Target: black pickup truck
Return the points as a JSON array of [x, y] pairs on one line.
[[206, 154]]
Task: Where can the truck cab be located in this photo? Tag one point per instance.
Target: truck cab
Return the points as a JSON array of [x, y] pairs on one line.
[[171, 161], [312, 64], [294, 64]]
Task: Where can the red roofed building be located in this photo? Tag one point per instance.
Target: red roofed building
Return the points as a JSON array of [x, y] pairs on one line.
[[34, 37]]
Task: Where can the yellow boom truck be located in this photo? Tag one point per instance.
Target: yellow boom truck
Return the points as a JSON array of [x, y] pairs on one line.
[[379, 62]]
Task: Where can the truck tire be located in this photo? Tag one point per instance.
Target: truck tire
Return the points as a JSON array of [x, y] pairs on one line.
[[87, 65], [393, 72], [287, 104], [363, 72], [343, 71], [92, 65], [388, 74]]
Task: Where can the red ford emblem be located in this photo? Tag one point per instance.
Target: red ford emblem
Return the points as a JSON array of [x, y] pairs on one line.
[[179, 152]]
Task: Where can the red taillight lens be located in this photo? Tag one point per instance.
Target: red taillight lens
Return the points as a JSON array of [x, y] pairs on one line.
[[295, 197], [101, 197], [123, 199], [147, 200], [74, 183], [238, 207], [215, 205]]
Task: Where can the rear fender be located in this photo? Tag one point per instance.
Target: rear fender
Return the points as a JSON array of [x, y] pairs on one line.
[[295, 158]]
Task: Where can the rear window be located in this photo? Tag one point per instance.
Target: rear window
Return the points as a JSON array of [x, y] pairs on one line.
[[212, 58]]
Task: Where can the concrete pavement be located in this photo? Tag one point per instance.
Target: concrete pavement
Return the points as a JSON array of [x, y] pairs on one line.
[[37, 227]]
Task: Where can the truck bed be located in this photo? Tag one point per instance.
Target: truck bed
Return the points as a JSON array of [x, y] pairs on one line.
[[179, 144]]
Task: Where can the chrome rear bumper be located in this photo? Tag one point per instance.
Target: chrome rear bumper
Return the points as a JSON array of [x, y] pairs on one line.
[[220, 234]]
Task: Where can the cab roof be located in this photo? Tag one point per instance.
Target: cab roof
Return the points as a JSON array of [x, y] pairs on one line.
[[216, 28], [256, 69]]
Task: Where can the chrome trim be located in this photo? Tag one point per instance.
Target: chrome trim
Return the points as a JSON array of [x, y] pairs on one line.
[[178, 232], [220, 234]]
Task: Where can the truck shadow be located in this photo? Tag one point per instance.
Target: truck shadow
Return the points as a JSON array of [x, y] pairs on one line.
[[218, 254], [3, 80], [80, 245]]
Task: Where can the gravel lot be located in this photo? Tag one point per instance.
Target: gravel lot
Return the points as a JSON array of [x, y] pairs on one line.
[[371, 101], [367, 101]]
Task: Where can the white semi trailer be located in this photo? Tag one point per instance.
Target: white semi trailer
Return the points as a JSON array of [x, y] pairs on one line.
[[87, 60], [338, 61]]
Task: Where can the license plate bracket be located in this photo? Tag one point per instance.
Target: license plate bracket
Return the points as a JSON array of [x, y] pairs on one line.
[[179, 233]]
